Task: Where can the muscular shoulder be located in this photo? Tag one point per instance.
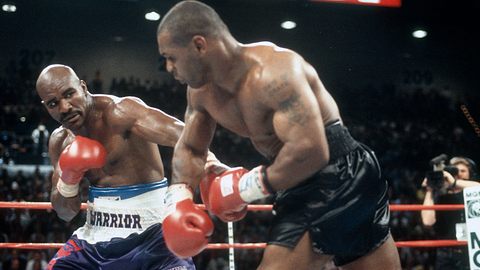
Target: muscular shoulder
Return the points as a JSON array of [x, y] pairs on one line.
[[108, 103], [275, 71], [121, 111], [123, 104], [271, 56]]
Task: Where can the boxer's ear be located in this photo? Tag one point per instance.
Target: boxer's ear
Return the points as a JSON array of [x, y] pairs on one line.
[[83, 84], [200, 43]]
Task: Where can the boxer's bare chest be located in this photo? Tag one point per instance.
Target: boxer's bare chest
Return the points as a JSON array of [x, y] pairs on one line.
[[116, 147], [245, 116], [115, 141], [129, 160]]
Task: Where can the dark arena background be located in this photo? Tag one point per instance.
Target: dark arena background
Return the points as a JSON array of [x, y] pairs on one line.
[[409, 98]]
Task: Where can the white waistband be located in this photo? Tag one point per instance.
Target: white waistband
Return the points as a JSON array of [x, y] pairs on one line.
[[109, 217]]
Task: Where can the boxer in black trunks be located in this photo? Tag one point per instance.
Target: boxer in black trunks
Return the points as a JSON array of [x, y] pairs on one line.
[[331, 200]]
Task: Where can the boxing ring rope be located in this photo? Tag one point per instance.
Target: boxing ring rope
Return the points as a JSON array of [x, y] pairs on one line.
[[257, 207], [400, 244], [251, 207]]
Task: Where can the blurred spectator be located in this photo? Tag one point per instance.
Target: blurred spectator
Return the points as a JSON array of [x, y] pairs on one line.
[[394, 133], [36, 262], [2, 153], [40, 137], [97, 83], [15, 261]]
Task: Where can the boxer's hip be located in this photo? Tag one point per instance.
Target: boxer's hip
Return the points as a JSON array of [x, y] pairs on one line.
[[121, 211]]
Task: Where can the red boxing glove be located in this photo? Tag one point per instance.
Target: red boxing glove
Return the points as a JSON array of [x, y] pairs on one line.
[[205, 186], [187, 227], [213, 168], [77, 158], [230, 192]]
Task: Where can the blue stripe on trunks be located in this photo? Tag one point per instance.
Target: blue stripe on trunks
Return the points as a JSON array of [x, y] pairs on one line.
[[146, 250], [124, 192]]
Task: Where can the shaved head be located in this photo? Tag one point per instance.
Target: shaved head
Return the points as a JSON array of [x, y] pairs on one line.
[[64, 95], [189, 18], [53, 74]]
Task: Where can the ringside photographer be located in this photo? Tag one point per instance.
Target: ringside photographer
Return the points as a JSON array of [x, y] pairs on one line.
[[444, 185]]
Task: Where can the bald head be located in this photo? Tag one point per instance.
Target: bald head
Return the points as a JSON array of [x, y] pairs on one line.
[[189, 18], [64, 95], [54, 74]]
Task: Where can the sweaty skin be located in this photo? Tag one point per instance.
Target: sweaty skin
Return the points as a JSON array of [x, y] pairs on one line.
[[260, 91], [127, 128], [265, 99], [271, 96]]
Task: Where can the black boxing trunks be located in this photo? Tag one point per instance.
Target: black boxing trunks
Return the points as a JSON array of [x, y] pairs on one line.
[[344, 206]]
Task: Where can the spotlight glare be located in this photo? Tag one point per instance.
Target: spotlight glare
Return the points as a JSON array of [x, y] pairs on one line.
[[152, 16], [288, 25], [419, 33], [9, 8]]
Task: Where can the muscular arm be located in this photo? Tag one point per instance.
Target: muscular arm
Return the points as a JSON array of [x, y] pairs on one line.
[[190, 152], [147, 122], [462, 184], [428, 216], [66, 208], [298, 123]]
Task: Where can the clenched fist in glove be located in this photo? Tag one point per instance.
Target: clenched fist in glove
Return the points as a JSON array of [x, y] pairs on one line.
[[227, 195], [77, 158], [187, 227]]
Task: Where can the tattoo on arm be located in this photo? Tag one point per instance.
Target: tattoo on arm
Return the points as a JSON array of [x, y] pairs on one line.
[[294, 110], [291, 105], [276, 85]]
